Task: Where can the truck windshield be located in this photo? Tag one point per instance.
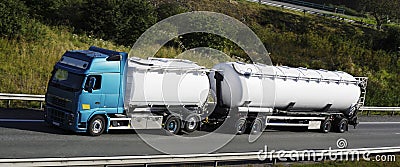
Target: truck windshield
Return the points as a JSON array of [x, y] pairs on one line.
[[66, 80]]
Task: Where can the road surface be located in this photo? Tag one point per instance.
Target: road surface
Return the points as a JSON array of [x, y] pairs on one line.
[[23, 134]]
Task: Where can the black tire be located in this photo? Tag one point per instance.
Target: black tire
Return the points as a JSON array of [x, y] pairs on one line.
[[240, 126], [326, 126], [257, 126], [341, 125], [97, 125], [172, 124], [192, 122]]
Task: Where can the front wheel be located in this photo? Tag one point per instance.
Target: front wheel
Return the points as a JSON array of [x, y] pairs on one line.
[[96, 126]]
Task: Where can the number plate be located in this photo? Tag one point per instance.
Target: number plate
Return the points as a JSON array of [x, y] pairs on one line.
[[56, 123]]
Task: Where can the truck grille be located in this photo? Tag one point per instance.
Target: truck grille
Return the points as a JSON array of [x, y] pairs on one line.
[[58, 102], [57, 116]]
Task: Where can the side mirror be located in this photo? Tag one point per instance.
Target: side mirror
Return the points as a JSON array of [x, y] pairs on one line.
[[91, 85]]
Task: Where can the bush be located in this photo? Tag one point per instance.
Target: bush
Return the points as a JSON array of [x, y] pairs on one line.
[[120, 21], [166, 10], [13, 18]]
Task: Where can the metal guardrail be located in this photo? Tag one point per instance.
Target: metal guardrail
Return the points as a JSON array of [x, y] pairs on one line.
[[23, 97], [314, 5], [41, 98], [272, 3], [195, 158], [368, 109], [380, 108]]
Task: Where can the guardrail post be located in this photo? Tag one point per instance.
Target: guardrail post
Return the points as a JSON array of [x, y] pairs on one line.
[[8, 103], [368, 113], [41, 105], [215, 163], [393, 113]]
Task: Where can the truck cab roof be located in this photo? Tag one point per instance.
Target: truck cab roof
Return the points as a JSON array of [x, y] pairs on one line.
[[80, 61]]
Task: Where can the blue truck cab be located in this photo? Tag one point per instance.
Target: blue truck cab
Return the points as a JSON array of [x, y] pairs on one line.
[[86, 86]]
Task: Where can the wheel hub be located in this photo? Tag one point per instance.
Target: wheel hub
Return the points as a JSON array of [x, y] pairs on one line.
[[97, 126]]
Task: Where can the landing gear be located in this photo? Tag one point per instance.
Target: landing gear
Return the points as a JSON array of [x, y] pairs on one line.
[[354, 121]]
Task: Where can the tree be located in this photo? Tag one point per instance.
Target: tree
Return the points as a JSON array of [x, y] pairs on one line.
[[381, 10], [132, 18], [13, 17], [169, 9], [55, 12], [122, 21]]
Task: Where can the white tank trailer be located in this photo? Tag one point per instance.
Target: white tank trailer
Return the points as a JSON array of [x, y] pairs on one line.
[[168, 82], [164, 91], [249, 97], [284, 96]]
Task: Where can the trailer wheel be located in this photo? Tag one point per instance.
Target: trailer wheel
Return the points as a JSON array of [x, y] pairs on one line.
[[96, 126], [326, 126], [173, 124], [257, 126], [192, 122], [341, 125], [241, 126]]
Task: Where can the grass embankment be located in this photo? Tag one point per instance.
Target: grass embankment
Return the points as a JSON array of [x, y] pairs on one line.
[[304, 40], [293, 38], [26, 65]]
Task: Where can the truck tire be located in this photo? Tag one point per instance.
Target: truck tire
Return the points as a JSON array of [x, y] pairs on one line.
[[192, 122], [241, 126], [326, 126], [96, 126], [257, 126], [173, 124], [340, 125]]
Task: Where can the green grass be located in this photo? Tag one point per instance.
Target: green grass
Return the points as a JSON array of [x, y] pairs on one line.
[[25, 66]]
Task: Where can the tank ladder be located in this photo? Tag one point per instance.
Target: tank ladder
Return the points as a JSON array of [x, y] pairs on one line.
[[362, 83]]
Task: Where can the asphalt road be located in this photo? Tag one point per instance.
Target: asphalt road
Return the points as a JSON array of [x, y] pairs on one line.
[[23, 137]]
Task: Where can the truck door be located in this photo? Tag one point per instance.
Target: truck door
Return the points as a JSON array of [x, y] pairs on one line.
[[111, 90], [92, 96]]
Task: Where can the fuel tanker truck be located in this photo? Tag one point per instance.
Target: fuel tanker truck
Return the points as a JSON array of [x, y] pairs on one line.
[[98, 90]]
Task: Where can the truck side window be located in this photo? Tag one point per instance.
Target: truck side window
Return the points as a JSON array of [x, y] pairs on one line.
[[97, 85]]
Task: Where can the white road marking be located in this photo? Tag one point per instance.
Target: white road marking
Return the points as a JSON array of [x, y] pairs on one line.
[[21, 120], [397, 133], [379, 122]]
